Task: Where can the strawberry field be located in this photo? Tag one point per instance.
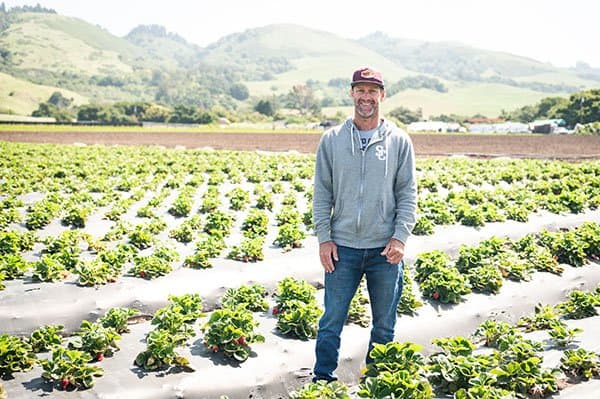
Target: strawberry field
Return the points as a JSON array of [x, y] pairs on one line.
[[146, 272]]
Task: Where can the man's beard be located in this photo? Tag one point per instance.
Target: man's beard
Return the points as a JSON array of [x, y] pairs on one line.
[[365, 112]]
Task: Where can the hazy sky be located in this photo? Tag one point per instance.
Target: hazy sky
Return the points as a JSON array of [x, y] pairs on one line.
[[557, 31]]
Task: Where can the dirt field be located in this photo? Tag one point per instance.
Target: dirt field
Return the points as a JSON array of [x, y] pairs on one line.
[[526, 146]]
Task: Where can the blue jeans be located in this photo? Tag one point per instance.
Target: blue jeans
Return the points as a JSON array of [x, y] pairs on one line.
[[384, 283]]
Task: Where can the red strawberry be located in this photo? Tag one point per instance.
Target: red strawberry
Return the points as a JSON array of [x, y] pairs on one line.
[[64, 383], [435, 295], [246, 259], [215, 348], [242, 341], [142, 274], [275, 310], [100, 357]]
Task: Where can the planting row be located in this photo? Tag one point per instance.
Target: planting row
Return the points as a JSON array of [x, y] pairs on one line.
[[510, 367]]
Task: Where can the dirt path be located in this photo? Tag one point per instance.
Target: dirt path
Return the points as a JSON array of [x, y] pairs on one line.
[[529, 146]]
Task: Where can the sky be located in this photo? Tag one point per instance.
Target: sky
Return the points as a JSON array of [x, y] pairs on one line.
[[560, 32]]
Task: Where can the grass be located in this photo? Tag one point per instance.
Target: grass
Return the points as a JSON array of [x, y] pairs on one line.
[[42, 46], [20, 97]]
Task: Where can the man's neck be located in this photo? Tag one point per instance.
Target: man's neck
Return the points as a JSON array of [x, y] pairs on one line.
[[366, 123]]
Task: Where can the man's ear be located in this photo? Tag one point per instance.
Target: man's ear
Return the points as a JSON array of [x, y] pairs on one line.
[[350, 91], [382, 94]]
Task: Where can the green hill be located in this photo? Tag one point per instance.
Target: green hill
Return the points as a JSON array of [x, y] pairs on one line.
[[48, 51], [20, 97]]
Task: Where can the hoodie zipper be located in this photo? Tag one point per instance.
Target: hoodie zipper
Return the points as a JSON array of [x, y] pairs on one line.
[[361, 187]]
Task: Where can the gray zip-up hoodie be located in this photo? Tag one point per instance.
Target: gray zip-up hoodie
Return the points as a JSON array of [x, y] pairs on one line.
[[362, 199]]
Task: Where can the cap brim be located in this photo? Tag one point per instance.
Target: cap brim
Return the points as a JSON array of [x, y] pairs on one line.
[[366, 81]]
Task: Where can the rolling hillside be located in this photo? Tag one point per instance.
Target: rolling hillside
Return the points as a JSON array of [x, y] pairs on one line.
[[48, 50]]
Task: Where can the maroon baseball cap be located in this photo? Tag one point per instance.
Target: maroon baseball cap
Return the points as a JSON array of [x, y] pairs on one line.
[[367, 75]]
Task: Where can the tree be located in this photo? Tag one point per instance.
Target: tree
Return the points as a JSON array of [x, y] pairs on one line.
[[88, 112], [264, 107], [405, 115], [239, 92], [59, 100], [301, 98]]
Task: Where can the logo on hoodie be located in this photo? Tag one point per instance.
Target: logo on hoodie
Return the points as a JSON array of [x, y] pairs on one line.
[[380, 152]]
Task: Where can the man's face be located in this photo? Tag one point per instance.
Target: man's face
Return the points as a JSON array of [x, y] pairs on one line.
[[367, 97]]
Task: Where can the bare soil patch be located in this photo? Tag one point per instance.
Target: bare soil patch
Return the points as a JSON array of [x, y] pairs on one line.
[[491, 145]]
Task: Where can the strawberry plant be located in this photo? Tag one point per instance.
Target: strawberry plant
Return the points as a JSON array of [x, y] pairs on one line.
[[149, 267], [250, 250], [210, 200], [512, 266], [289, 199], [252, 297], [218, 223], [231, 330], [15, 355], [189, 305], [160, 351], [70, 369], [457, 346], [96, 272], [493, 332], [561, 334], [481, 387], [401, 384], [486, 279], [589, 234], [288, 215], [564, 246], [579, 305], [13, 266], [408, 303], [446, 285], [430, 262], [290, 289], [172, 319], [12, 242], [424, 226], [542, 319], [117, 318], [448, 373], [396, 356], [45, 337], [183, 203], [299, 319], [141, 237], [256, 223], [289, 236], [49, 269], [187, 230], [42, 212], [580, 363], [76, 216], [321, 390], [238, 199], [209, 246], [265, 201], [95, 339]]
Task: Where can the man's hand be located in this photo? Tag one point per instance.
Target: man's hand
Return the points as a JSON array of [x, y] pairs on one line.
[[393, 251], [328, 253]]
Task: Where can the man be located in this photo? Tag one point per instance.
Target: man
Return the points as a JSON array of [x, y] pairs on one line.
[[364, 208]]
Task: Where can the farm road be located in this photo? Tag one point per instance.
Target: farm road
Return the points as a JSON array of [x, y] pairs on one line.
[[489, 145]]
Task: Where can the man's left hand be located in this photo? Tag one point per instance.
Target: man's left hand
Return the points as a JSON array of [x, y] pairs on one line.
[[393, 251]]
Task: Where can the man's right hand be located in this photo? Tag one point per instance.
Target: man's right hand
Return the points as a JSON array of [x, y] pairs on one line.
[[328, 253]]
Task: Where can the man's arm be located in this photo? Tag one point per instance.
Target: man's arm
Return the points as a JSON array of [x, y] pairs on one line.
[[405, 191], [322, 206]]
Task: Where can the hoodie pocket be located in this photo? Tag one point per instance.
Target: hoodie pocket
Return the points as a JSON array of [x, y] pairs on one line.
[[337, 210]]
